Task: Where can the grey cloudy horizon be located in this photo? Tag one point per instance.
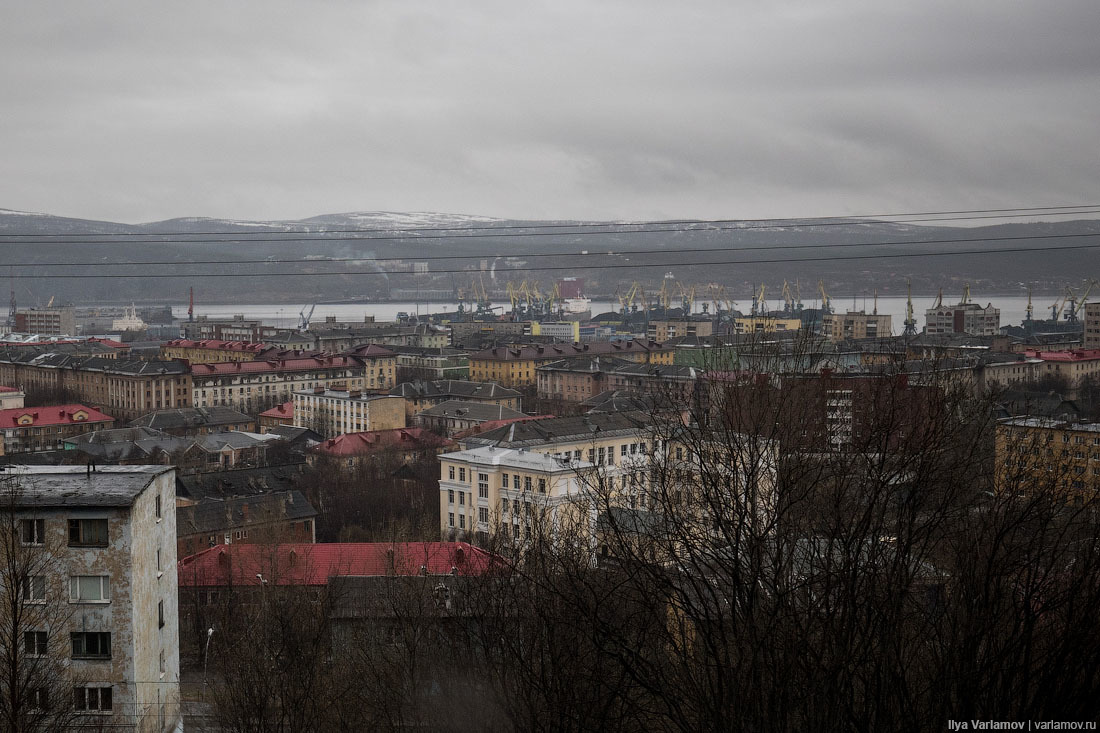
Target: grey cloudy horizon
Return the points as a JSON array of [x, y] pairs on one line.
[[139, 112]]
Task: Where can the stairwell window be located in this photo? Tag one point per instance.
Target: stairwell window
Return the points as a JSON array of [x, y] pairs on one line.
[[90, 589]]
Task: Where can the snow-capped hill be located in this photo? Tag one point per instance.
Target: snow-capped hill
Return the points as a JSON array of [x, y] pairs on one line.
[[400, 220]]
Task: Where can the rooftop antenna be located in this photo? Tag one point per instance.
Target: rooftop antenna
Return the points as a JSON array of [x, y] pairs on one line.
[[1029, 308], [875, 311], [191, 306], [11, 307]]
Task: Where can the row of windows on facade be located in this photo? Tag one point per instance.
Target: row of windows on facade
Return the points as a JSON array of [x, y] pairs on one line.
[[90, 699], [82, 532]]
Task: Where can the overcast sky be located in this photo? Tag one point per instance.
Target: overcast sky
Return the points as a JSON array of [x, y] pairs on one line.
[[140, 111]]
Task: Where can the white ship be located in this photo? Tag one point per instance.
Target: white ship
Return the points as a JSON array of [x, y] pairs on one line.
[[129, 321], [577, 309]]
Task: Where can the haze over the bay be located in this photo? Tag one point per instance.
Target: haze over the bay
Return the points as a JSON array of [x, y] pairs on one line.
[[134, 111]]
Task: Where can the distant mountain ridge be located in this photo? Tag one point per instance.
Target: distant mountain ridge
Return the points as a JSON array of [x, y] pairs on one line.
[[364, 237]]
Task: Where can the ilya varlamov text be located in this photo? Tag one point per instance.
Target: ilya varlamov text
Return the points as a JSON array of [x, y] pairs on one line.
[[1020, 725]]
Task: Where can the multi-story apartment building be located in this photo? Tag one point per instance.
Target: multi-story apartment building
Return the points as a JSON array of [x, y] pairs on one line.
[[97, 552], [765, 325], [530, 476], [456, 416], [576, 380], [27, 429], [252, 386], [667, 330], [124, 389], [47, 321], [419, 395], [1091, 338], [964, 317], [514, 366], [1041, 454], [212, 350], [482, 489], [332, 412], [416, 362], [231, 329], [855, 325], [1072, 366], [568, 331]]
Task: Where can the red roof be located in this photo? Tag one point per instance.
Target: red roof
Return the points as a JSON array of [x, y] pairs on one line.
[[309, 564], [357, 444], [494, 424], [284, 410], [273, 365], [8, 389], [1075, 355], [53, 415], [370, 351], [109, 342]]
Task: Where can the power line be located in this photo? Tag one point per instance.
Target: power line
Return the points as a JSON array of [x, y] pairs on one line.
[[710, 225], [615, 266], [618, 253]]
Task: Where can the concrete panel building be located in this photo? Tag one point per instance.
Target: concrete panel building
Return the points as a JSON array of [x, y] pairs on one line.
[[110, 536]]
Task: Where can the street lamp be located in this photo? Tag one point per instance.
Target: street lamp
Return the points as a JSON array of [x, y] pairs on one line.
[[205, 657]]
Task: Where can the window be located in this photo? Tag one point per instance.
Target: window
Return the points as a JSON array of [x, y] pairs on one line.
[[158, 506], [33, 531], [92, 699], [483, 485], [462, 474], [451, 472], [34, 589], [91, 645], [462, 498], [462, 521], [34, 643], [504, 481], [542, 486], [483, 514], [89, 589], [622, 449], [450, 519], [526, 483], [450, 496], [39, 698], [160, 614], [87, 532]]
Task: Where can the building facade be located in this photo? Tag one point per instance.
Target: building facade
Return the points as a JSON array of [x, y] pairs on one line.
[[855, 325], [28, 429], [47, 321], [968, 318], [252, 386], [332, 412], [1092, 326], [514, 366], [109, 540]]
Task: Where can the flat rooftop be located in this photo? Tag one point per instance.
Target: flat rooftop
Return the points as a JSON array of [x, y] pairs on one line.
[[75, 486]]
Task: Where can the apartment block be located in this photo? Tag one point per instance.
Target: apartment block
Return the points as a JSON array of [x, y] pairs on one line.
[[103, 599], [47, 321], [27, 429], [420, 395], [123, 389], [251, 386], [209, 351], [667, 330], [332, 412], [855, 325], [1092, 326], [514, 366], [965, 317], [1041, 454]]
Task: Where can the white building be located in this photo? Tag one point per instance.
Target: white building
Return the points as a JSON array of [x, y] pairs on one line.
[[100, 596]]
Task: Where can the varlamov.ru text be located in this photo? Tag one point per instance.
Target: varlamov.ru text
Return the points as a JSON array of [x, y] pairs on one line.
[[1020, 725]]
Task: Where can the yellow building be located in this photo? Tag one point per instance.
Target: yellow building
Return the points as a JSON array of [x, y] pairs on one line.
[[514, 366], [1038, 454], [332, 412], [511, 479], [665, 330], [855, 325]]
